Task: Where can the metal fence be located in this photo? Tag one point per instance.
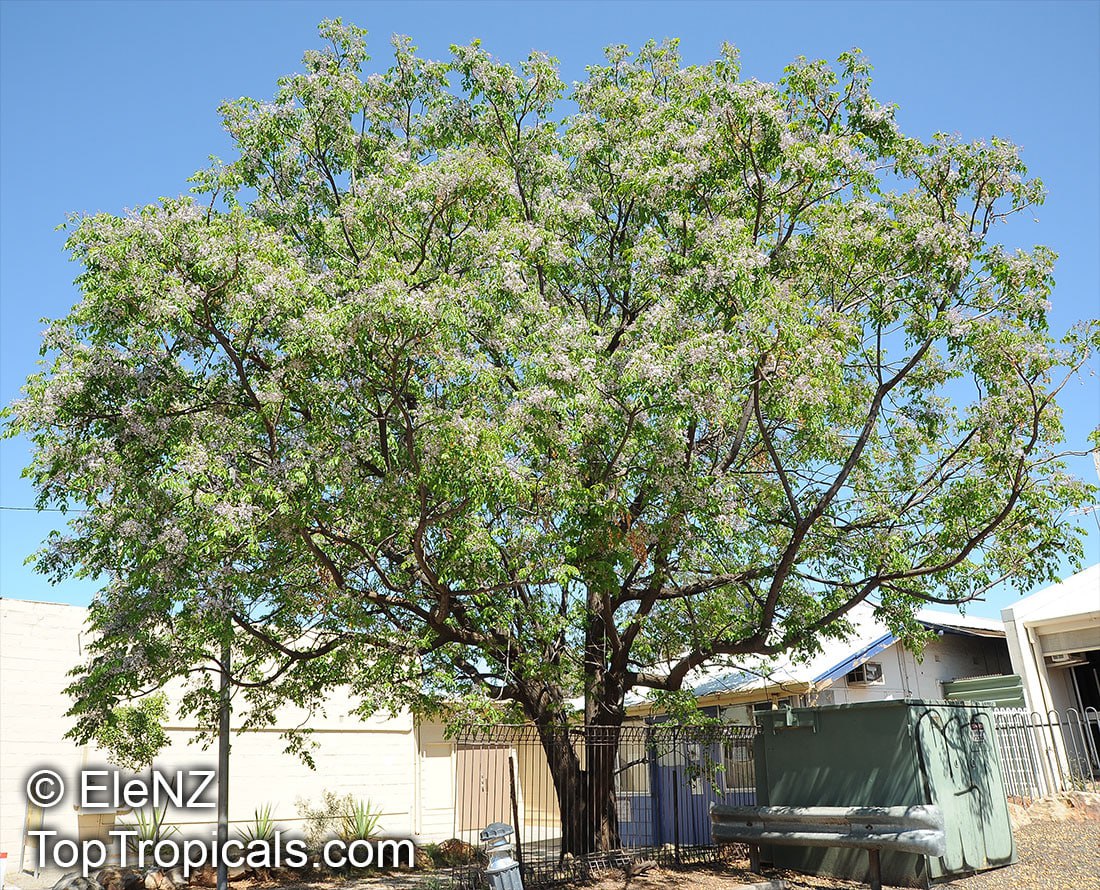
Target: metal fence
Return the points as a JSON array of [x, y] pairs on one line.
[[616, 795], [1048, 753]]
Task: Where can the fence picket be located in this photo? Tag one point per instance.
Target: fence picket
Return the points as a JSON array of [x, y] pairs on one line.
[[1048, 753], [665, 778]]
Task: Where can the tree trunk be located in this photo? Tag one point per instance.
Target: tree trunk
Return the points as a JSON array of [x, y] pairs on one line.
[[602, 746], [586, 794], [570, 785]]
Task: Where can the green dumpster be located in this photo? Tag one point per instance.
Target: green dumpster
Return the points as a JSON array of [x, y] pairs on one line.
[[889, 753]]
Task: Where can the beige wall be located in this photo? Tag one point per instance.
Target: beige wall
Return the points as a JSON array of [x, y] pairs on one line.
[[436, 783], [39, 644], [949, 657], [375, 763], [404, 769]]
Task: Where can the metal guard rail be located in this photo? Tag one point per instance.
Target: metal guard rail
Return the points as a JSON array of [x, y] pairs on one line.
[[917, 829]]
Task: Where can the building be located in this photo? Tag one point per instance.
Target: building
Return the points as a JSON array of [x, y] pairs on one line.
[[404, 767], [426, 787], [869, 665], [1054, 642]]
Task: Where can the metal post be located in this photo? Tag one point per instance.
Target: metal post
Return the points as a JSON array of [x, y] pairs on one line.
[[676, 814], [223, 766], [754, 859], [875, 876], [513, 768]]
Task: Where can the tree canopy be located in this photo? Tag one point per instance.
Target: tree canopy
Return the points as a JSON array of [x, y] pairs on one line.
[[133, 735], [461, 383]]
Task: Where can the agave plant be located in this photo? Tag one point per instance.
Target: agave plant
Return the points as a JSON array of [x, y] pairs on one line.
[[262, 828], [359, 821], [150, 827]]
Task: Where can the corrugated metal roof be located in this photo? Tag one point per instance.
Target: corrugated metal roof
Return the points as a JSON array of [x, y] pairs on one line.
[[857, 658], [1002, 690], [967, 625], [837, 657]]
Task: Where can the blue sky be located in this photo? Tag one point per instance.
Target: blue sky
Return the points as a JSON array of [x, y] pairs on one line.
[[107, 106]]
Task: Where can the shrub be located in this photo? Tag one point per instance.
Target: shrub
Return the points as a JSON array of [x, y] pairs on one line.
[[338, 815]]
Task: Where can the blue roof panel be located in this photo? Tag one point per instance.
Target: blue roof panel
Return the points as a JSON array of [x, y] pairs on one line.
[[857, 658]]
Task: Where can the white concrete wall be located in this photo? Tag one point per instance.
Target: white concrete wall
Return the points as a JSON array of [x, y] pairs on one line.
[[437, 786], [39, 644], [405, 770], [949, 657], [1070, 608], [375, 763]]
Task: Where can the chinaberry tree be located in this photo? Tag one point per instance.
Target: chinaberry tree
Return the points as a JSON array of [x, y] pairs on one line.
[[463, 384]]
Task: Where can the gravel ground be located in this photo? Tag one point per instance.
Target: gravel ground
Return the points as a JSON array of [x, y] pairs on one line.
[[1050, 856]]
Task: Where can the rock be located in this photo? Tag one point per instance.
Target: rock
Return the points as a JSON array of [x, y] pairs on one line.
[[423, 860], [1018, 815], [204, 877], [158, 880], [74, 880], [1071, 806], [1085, 803], [457, 852], [120, 879]]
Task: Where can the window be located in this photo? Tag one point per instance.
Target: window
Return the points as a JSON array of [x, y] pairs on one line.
[[866, 674], [778, 704], [633, 769], [737, 764], [697, 768], [737, 751]]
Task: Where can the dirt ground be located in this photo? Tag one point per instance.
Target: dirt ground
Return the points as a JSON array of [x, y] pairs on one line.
[[1052, 856]]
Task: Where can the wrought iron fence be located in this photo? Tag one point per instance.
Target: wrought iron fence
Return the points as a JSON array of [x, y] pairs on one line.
[[613, 795], [1048, 753]]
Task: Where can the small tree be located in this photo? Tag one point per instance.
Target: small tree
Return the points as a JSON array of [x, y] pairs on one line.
[[133, 735], [439, 392]]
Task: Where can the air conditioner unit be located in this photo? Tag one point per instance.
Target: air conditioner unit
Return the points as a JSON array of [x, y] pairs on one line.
[[1067, 659], [866, 674]]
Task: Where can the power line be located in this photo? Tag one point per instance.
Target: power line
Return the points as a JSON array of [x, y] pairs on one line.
[[42, 509]]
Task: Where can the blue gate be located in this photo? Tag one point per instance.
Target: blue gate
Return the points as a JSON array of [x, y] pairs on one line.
[[686, 769]]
